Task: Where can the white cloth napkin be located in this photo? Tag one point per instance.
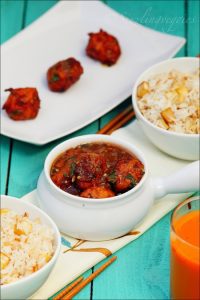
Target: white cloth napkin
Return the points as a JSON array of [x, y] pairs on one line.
[[73, 263]]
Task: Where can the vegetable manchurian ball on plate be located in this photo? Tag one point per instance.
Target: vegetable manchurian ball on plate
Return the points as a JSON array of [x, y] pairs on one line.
[[64, 74], [22, 103], [103, 47]]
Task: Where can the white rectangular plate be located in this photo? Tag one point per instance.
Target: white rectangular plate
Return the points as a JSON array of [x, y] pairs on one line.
[[63, 32]]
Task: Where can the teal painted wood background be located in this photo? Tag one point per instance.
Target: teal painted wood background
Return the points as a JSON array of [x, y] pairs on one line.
[[142, 268]]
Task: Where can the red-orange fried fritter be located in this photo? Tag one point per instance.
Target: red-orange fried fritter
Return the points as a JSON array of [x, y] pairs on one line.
[[128, 174], [90, 169], [97, 192], [103, 47], [64, 74], [22, 103]]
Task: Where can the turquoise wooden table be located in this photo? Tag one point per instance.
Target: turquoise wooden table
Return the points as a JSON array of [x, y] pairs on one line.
[[142, 268]]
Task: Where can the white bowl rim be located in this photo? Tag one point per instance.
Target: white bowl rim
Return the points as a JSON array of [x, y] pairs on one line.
[[136, 108], [23, 280], [112, 140]]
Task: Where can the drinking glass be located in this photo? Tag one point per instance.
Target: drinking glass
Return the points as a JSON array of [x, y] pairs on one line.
[[185, 250]]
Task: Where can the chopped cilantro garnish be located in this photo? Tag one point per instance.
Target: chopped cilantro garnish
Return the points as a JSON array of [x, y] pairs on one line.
[[16, 112], [112, 177], [131, 178], [72, 168], [54, 78]]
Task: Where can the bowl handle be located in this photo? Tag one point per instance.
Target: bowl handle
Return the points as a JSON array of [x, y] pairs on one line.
[[183, 181]]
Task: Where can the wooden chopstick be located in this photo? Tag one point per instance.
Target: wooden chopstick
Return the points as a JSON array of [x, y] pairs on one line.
[[68, 289], [120, 120], [81, 285], [121, 123]]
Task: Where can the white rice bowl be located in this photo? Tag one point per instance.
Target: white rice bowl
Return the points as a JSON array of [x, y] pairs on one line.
[[170, 100], [26, 286], [26, 245], [178, 136]]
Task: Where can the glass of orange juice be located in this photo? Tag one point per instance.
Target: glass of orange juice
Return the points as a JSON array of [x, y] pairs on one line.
[[185, 250]]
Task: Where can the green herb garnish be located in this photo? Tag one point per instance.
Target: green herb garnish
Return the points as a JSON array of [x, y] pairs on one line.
[[112, 177], [54, 78], [72, 168], [16, 112], [132, 179]]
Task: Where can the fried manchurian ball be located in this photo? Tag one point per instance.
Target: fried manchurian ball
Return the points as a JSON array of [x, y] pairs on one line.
[[64, 74], [97, 192], [128, 174], [103, 47], [22, 103], [89, 170]]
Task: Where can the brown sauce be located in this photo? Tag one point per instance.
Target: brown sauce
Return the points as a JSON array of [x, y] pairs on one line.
[[96, 170]]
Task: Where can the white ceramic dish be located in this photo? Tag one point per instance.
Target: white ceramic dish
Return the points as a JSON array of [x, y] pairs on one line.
[[104, 219], [25, 287], [63, 32], [184, 146]]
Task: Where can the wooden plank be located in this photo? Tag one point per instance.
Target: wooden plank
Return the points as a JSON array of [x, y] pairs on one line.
[[11, 18], [193, 32], [142, 269], [11, 23], [5, 151], [37, 8]]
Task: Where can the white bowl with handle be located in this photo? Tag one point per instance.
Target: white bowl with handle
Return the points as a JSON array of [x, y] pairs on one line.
[[108, 218], [180, 145]]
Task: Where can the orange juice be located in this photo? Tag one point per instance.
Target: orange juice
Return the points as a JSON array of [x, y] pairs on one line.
[[185, 256]]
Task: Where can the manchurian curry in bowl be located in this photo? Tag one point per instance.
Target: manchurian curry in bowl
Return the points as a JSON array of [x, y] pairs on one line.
[[98, 187], [95, 187], [96, 170]]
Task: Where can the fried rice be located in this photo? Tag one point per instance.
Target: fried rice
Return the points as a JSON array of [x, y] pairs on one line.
[[26, 245], [171, 101]]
